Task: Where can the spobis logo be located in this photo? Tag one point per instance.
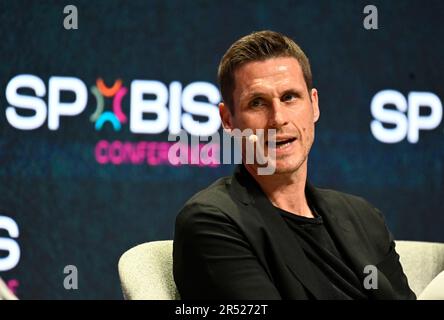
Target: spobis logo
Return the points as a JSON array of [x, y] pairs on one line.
[[173, 108], [10, 249], [154, 108], [116, 117], [406, 119], [9, 244]]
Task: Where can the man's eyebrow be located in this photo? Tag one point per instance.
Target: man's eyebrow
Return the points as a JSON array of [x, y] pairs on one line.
[[254, 95], [257, 94], [296, 92]]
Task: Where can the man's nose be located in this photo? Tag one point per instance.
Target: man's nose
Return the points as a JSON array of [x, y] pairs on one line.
[[277, 116]]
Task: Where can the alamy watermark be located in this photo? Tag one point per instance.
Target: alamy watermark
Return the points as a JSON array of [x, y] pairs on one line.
[[247, 146], [71, 281], [71, 20], [371, 278], [371, 19]]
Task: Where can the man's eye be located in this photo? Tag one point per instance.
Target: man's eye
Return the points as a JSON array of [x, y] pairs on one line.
[[256, 103], [288, 97]]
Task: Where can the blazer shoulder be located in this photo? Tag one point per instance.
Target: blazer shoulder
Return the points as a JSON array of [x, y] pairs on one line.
[[213, 200], [359, 207], [215, 194], [335, 195], [360, 215]]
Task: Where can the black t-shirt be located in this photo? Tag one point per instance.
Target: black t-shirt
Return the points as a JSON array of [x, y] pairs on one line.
[[329, 265]]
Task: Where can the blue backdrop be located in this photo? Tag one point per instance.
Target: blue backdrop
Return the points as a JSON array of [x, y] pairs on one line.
[[77, 192]]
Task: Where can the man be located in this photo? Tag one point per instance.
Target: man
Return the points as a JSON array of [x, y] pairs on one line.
[[253, 236]]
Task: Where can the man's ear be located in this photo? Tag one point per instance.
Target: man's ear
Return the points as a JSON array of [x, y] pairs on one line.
[[225, 116], [315, 104]]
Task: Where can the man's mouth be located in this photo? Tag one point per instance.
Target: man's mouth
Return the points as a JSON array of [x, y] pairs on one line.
[[282, 143]]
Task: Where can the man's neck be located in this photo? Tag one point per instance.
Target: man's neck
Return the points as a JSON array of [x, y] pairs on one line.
[[285, 191]]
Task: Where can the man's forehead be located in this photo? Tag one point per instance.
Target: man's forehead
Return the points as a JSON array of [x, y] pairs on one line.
[[277, 63], [282, 70]]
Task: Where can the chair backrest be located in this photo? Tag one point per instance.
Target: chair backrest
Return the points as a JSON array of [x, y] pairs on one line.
[[5, 293], [421, 261], [146, 271]]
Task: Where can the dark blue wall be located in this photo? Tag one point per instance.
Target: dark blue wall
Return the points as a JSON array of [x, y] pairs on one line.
[[71, 210]]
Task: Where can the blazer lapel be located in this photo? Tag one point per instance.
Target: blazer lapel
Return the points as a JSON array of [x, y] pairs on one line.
[[347, 238]]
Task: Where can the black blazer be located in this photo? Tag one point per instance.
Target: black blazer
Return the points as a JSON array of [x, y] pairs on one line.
[[230, 243]]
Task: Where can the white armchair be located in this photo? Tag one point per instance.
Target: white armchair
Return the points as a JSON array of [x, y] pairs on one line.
[[146, 271]]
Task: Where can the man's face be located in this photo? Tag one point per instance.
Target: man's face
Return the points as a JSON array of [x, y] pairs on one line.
[[272, 94]]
